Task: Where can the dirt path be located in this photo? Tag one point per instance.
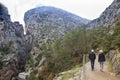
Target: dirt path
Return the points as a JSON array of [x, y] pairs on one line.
[[78, 74], [97, 74]]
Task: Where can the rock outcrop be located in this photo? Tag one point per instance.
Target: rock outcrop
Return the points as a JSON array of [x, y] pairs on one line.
[[46, 23], [73, 74], [4, 13], [14, 46], [114, 58], [108, 17]]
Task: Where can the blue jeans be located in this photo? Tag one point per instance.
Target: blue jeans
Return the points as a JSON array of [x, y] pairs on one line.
[[92, 64]]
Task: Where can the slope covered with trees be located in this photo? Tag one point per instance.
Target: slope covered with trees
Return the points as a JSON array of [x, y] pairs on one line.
[[64, 53]]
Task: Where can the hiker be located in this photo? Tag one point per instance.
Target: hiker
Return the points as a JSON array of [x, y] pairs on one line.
[[92, 58], [101, 59]]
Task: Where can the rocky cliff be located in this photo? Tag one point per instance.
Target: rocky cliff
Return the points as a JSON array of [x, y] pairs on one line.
[[114, 58], [14, 46], [46, 23], [4, 13], [108, 17]]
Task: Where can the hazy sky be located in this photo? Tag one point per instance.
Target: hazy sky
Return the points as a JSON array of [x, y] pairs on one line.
[[89, 9]]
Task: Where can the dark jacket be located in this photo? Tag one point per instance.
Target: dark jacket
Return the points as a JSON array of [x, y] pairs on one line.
[[101, 57], [92, 56]]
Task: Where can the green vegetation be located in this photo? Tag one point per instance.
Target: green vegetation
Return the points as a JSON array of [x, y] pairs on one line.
[[1, 64], [101, 38], [106, 38], [63, 54], [68, 74], [6, 48], [32, 77]]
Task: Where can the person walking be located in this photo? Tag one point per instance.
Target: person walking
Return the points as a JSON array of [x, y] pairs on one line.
[[92, 58], [101, 59]]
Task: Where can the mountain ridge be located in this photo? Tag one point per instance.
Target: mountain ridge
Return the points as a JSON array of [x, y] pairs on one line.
[[46, 23], [47, 8], [107, 18]]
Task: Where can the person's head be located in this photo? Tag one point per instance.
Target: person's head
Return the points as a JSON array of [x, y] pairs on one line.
[[92, 50], [101, 51]]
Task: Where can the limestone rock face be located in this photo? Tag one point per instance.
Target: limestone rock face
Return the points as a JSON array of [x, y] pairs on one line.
[[46, 23], [14, 46], [4, 13], [108, 17], [114, 57]]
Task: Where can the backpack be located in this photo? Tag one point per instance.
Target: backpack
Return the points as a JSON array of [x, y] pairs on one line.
[[92, 56]]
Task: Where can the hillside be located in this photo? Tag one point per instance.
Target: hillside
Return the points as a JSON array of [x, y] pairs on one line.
[[47, 23], [108, 17]]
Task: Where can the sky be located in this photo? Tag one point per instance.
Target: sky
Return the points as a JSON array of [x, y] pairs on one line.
[[89, 9]]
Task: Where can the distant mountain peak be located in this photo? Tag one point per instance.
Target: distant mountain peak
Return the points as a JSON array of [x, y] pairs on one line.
[[46, 22], [50, 9]]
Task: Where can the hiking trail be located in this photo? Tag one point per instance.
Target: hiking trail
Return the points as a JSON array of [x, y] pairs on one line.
[[97, 74], [87, 74]]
